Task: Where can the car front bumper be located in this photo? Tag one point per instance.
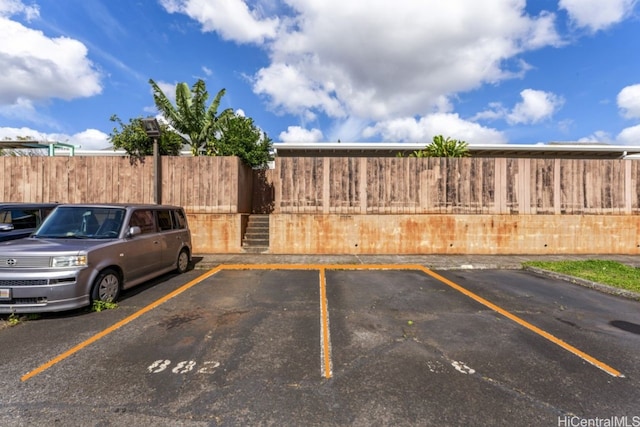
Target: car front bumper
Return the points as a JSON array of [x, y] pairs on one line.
[[44, 290]]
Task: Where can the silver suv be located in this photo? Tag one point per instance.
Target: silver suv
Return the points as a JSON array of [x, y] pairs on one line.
[[85, 253]]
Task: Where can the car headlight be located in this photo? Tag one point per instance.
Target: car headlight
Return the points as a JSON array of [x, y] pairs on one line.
[[69, 261]]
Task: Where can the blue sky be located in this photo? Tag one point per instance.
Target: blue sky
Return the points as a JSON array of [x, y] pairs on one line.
[[483, 71]]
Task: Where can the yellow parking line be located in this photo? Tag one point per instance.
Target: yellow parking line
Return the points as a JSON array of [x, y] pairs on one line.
[[118, 325], [324, 332], [584, 356], [326, 343]]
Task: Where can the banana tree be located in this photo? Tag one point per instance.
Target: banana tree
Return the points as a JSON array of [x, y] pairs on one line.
[[197, 123]]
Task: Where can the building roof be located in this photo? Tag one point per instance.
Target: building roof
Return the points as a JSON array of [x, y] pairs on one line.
[[385, 149], [35, 145], [392, 149]]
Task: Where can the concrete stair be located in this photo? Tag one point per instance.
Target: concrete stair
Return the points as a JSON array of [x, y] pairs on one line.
[[256, 236]]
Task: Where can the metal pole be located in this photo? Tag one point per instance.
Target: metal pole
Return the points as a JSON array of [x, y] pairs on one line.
[[156, 172], [152, 129]]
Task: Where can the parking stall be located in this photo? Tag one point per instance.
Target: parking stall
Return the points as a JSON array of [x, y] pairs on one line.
[[329, 345]]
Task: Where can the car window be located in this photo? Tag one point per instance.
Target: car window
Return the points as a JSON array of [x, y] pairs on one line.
[[144, 219], [110, 221], [164, 220], [21, 218], [180, 219]]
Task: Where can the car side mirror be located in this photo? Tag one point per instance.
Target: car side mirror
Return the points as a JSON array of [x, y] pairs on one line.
[[6, 227], [134, 231]]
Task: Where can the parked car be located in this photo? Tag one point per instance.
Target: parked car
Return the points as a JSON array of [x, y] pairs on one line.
[[86, 253], [18, 220]]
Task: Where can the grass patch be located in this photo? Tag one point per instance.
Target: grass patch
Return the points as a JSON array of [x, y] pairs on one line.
[[15, 319], [606, 272], [99, 306]]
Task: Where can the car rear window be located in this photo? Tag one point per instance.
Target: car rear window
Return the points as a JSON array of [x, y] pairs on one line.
[[164, 220], [180, 219]]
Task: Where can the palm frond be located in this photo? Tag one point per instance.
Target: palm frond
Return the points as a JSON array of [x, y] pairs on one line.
[[164, 104]]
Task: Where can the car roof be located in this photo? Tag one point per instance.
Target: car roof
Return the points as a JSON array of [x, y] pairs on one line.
[[120, 205], [24, 205]]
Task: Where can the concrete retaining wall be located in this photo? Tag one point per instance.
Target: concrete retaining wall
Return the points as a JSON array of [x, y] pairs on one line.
[[454, 234], [215, 233]]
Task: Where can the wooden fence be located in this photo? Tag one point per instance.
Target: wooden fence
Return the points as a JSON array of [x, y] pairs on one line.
[[336, 185], [343, 185], [200, 184]]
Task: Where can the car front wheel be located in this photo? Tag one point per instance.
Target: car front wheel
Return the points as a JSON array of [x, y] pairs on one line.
[[107, 286]]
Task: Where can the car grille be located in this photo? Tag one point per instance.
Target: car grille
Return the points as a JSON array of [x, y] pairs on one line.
[[24, 282], [25, 262]]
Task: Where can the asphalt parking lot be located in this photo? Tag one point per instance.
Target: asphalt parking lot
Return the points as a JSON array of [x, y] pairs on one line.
[[319, 344]]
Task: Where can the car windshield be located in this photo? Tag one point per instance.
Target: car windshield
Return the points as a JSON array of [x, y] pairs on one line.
[[82, 222]]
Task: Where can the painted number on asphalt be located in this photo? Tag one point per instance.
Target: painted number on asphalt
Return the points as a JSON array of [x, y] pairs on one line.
[[461, 367], [182, 367], [158, 366]]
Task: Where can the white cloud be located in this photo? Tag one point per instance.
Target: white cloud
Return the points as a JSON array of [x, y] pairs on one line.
[[299, 134], [410, 129], [598, 136], [37, 68], [597, 15], [15, 133], [89, 139], [294, 92], [363, 62], [334, 57], [496, 111], [629, 101], [15, 7], [543, 33], [536, 106], [629, 136], [22, 109], [232, 19]]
